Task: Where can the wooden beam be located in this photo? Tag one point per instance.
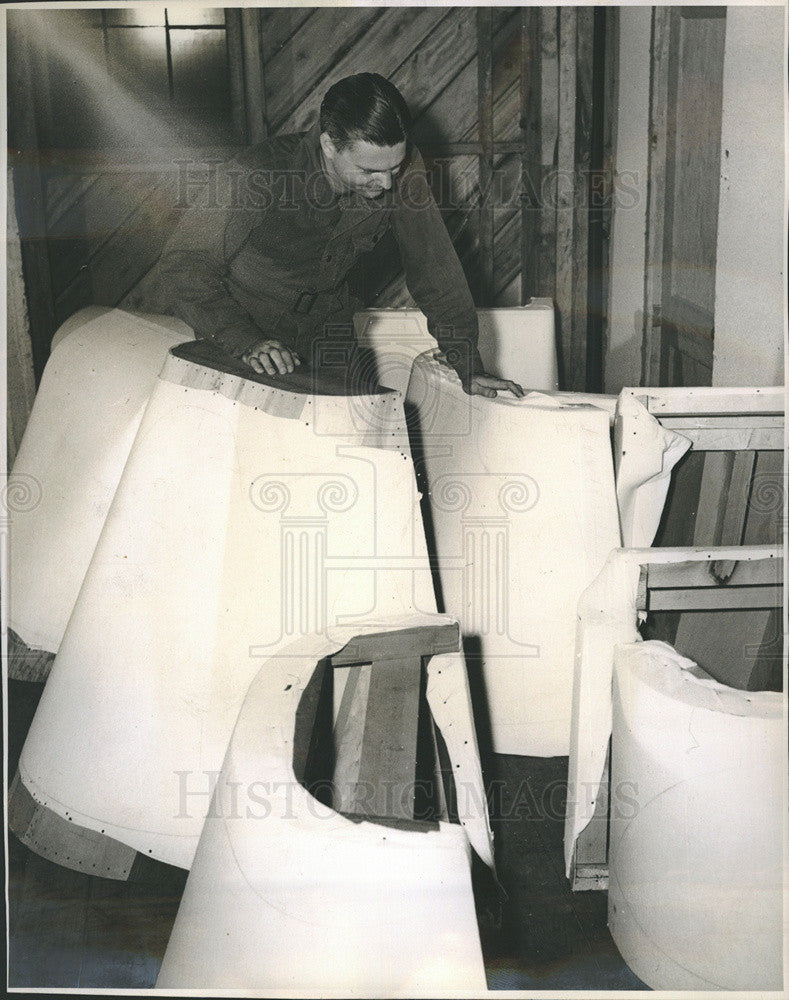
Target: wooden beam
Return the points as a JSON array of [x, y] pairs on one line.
[[656, 193], [549, 138], [387, 770], [235, 59], [531, 149], [25, 71], [485, 117], [721, 598], [565, 195], [686, 575], [584, 57], [254, 87], [402, 644]]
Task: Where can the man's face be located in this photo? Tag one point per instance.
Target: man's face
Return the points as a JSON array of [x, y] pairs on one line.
[[362, 167]]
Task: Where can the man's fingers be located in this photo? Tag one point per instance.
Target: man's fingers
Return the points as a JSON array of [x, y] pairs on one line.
[[479, 389], [271, 358], [278, 359], [487, 385]]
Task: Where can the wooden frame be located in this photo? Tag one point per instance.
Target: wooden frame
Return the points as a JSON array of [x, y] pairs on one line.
[[731, 424]]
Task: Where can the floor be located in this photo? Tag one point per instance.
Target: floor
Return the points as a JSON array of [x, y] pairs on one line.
[[74, 930]]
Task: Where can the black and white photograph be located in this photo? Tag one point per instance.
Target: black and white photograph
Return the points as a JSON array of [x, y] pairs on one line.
[[394, 505]]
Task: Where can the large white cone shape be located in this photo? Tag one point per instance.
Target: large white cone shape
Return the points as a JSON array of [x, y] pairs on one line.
[[697, 811], [524, 514], [235, 528], [88, 407], [285, 894]]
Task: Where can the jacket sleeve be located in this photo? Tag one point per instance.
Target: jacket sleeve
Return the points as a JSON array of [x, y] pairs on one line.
[[433, 273], [192, 272]]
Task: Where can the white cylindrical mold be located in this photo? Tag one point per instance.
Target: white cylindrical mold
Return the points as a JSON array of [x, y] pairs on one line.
[[697, 809]]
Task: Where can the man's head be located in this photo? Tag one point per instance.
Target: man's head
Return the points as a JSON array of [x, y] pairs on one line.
[[364, 123]]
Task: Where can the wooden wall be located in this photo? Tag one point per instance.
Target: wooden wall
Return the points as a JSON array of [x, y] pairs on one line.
[[503, 113]]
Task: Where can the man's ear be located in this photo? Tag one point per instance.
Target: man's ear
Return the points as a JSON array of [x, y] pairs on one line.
[[328, 147]]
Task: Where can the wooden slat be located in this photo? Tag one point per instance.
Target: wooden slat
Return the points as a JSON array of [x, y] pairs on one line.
[[427, 73], [529, 121], [565, 199], [713, 439], [485, 114], [235, 59], [748, 572], [93, 220], [254, 88], [452, 114], [278, 25], [584, 38], [123, 259], [549, 122], [401, 644], [731, 598], [708, 401], [296, 69], [387, 771], [24, 69], [349, 734], [391, 38], [656, 191]]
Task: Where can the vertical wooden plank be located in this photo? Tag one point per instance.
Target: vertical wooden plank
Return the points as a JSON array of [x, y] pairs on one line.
[[485, 104], [531, 173], [20, 378], [584, 37], [549, 123], [235, 60], [254, 89], [656, 194], [565, 194], [597, 190], [387, 772], [349, 732], [24, 67]]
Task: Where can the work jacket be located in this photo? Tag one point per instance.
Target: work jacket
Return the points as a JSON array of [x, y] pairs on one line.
[[265, 246]]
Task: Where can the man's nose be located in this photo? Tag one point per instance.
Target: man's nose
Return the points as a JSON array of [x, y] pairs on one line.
[[385, 180]]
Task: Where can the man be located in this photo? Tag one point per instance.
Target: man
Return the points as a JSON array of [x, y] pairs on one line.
[[260, 266]]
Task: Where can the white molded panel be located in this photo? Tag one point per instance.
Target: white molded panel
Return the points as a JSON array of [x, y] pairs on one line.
[[524, 513], [232, 532], [286, 894], [696, 855], [514, 343], [88, 408]]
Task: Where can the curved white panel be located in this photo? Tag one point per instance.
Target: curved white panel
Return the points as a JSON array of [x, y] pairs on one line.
[[524, 514], [696, 852], [286, 894], [88, 408], [233, 531], [516, 343]]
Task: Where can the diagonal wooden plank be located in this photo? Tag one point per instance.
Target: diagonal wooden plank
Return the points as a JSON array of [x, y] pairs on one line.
[[384, 47], [452, 113], [294, 71], [278, 25]]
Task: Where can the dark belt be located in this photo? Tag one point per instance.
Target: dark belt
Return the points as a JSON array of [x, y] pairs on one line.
[[304, 303]]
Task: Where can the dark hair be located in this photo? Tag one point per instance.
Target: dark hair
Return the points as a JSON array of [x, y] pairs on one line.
[[364, 107]]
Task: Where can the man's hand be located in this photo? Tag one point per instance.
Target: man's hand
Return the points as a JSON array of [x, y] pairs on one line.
[[270, 357], [490, 386]]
